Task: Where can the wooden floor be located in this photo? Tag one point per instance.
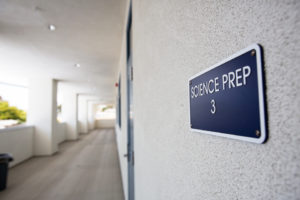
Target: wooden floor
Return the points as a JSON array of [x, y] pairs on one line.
[[87, 169]]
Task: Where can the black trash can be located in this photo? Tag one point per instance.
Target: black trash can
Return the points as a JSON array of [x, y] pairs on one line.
[[4, 161]]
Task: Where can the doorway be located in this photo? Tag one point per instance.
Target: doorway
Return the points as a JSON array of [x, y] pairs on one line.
[[130, 144]]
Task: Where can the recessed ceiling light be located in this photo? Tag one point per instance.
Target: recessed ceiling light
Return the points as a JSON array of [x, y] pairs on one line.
[[77, 65], [51, 27]]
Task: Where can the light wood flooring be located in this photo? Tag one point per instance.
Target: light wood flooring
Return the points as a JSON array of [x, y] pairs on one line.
[[87, 169]]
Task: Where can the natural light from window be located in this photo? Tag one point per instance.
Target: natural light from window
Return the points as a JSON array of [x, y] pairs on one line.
[[105, 112], [13, 104]]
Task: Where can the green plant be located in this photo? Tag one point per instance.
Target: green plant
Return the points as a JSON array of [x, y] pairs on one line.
[[107, 107], [11, 112], [59, 109]]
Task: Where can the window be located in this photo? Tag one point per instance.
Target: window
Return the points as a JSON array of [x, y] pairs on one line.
[[13, 104], [105, 112]]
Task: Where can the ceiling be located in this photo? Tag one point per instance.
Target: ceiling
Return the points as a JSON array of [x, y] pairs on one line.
[[88, 32]]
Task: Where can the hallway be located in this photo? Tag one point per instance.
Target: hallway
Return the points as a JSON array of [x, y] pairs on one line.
[[87, 169]]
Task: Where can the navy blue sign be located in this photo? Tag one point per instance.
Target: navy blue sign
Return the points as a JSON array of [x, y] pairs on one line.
[[228, 98]]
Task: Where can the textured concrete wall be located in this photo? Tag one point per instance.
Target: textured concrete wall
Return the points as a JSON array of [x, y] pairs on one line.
[[175, 39]]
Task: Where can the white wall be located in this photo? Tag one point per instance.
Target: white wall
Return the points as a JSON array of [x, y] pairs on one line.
[[82, 114], [42, 114], [61, 132], [85, 111], [68, 94], [92, 108], [121, 132], [17, 141], [105, 123], [173, 40]]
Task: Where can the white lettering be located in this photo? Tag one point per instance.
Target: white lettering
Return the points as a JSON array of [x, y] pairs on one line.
[[205, 87], [209, 83], [196, 93], [246, 73], [231, 76], [193, 92], [200, 89], [224, 80], [216, 84], [238, 77], [232, 79]]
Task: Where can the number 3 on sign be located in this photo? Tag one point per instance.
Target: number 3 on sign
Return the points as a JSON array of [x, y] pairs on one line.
[[213, 104]]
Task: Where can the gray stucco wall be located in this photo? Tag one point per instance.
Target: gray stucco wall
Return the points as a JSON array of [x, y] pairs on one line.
[[175, 39]]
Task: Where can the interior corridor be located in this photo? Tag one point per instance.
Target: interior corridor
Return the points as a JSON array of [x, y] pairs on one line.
[[86, 169]]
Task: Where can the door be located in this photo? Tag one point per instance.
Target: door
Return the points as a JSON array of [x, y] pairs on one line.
[[130, 145]]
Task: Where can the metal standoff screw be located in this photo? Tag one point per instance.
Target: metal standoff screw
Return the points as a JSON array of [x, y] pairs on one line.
[[253, 53], [257, 132]]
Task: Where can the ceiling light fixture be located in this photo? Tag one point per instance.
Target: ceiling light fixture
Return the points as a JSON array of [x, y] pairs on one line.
[[77, 65], [51, 27]]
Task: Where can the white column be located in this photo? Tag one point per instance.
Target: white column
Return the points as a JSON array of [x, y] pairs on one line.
[[92, 108], [82, 114], [69, 113], [42, 114]]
